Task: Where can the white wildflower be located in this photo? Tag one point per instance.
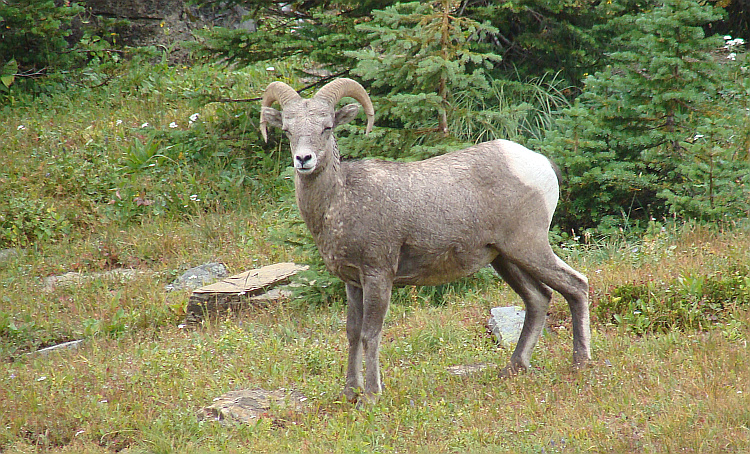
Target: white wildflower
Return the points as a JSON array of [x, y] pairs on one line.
[[20, 128], [194, 117], [732, 56], [732, 43], [727, 37], [173, 125], [698, 136], [118, 122], [270, 68], [144, 125]]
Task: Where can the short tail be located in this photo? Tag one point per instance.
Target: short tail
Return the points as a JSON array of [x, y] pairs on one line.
[[558, 173]]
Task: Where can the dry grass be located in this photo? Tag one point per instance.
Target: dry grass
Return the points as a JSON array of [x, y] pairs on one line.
[[138, 381], [139, 388]]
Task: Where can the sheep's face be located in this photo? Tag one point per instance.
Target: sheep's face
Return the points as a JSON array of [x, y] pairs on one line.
[[309, 126]]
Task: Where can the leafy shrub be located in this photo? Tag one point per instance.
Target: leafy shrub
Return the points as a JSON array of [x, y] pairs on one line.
[[33, 33], [24, 221], [657, 132], [690, 302]]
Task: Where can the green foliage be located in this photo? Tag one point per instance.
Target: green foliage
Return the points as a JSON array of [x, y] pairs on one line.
[[8, 74], [630, 147], [24, 221], [420, 55], [690, 302], [538, 37], [320, 31], [509, 110], [137, 161], [33, 33], [714, 182]]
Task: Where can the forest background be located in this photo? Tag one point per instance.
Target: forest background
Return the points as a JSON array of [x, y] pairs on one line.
[[643, 105], [149, 157]]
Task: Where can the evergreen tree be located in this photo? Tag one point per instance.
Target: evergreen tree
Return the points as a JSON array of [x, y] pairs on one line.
[[639, 122], [321, 31], [33, 35], [420, 57], [537, 37]]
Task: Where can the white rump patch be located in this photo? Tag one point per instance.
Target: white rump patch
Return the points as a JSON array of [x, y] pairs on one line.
[[534, 170]]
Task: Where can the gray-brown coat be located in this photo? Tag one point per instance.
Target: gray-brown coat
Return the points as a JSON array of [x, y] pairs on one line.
[[379, 224]]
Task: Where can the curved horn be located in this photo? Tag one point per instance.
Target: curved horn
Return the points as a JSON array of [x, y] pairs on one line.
[[340, 88], [275, 92]]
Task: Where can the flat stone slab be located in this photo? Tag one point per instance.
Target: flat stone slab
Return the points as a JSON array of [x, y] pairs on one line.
[[120, 275], [248, 405], [64, 346], [506, 324], [198, 276], [241, 290], [467, 369]]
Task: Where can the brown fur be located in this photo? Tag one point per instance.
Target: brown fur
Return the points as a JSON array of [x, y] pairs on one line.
[[379, 224]]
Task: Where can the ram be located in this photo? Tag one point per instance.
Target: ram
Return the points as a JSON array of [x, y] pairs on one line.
[[378, 224]]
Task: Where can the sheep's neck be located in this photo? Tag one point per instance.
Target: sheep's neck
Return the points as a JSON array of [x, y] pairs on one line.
[[316, 194]]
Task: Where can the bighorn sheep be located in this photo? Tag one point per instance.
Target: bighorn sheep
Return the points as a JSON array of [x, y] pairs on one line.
[[379, 224]]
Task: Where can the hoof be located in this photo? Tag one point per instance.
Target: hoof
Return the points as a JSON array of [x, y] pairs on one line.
[[351, 395], [510, 371], [578, 366], [580, 362], [367, 400]]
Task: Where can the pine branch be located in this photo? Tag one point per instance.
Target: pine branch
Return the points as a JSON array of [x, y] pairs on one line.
[[317, 83]]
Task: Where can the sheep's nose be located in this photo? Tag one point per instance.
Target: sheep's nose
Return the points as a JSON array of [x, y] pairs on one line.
[[303, 158]]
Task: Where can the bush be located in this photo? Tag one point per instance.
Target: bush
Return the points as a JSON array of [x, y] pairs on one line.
[[657, 133], [24, 221], [689, 302], [33, 33]]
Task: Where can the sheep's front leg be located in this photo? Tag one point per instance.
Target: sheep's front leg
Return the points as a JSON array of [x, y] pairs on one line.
[[376, 299], [354, 316]]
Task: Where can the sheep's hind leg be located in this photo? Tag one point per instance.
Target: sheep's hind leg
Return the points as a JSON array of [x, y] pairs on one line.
[[548, 268], [575, 289], [354, 317], [536, 297]]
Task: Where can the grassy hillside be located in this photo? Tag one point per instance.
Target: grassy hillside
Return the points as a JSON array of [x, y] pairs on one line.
[[88, 186]]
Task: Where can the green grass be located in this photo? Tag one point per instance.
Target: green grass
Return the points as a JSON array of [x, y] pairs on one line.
[[139, 380]]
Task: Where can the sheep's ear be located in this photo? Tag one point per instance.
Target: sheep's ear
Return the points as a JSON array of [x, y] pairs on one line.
[[346, 114], [269, 115], [272, 116]]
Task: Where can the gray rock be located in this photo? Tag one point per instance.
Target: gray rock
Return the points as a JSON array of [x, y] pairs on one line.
[[506, 324], [248, 289], [120, 275], [199, 276], [247, 405], [65, 345], [467, 369], [8, 254]]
